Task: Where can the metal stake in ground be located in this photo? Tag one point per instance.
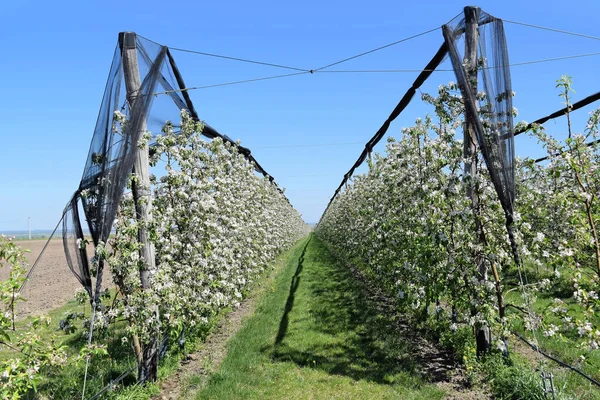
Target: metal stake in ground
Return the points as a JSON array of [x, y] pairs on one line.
[[148, 367]]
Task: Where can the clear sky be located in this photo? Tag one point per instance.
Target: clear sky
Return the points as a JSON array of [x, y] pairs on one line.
[[56, 56]]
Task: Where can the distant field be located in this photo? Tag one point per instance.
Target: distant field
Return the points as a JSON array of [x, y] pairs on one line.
[[35, 234], [51, 283]]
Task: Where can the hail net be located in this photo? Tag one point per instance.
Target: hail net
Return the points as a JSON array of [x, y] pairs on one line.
[[93, 207], [488, 101]]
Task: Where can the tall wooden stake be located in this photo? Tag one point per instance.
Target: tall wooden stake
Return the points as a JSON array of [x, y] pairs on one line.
[[148, 366], [482, 334]]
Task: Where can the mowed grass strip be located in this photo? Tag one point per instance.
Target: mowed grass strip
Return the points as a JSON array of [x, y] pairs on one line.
[[314, 335]]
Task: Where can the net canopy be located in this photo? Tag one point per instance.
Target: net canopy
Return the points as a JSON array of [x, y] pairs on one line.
[[487, 93], [93, 207], [487, 98]]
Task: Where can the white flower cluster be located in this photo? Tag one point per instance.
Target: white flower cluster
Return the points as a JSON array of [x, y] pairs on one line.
[[216, 226], [409, 224]]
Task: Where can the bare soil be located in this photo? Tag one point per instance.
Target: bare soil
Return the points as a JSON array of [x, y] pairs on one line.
[[51, 284]]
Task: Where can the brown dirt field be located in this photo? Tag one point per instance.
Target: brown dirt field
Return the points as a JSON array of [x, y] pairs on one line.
[[51, 284]]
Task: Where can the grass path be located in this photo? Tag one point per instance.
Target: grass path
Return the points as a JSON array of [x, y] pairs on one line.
[[316, 334]]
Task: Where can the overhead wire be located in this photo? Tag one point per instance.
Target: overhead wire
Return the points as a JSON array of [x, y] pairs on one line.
[[554, 59], [553, 29], [240, 59], [244, 60], [284, 146], [231, 83], [376, 49], [402, 104], [517, 64], [546, 60], [325, 67], [301, 71]]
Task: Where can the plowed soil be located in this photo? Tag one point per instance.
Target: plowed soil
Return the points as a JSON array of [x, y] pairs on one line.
[[51, 283]]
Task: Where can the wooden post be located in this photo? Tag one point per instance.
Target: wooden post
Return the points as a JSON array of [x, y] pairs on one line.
[[148, 367], [482, 334]]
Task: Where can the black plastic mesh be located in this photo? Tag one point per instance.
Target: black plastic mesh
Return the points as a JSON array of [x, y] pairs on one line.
[[112, 151], [110, 160], [488, 106]]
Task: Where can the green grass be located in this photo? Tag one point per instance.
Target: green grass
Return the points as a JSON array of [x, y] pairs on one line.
[[66, 383], [565, 346], [314, 335]]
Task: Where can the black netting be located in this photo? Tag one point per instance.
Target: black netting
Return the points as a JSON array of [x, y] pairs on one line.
[[488, 102], [113, 150], [72, 243]]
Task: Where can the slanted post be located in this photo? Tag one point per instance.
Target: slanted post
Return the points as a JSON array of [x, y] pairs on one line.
[[482, 334], [148, 365]]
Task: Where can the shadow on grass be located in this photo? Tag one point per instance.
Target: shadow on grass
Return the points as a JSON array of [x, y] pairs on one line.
[[289, 304], [337, 329]]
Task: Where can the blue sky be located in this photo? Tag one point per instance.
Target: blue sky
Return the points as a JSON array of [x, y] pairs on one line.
[[56, 56]]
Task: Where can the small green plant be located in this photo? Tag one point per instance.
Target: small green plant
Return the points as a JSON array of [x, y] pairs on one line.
[[25, 352], [510, 379]]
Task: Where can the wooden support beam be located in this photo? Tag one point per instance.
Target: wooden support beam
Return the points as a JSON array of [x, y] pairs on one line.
[[471, 149], [148, 367]]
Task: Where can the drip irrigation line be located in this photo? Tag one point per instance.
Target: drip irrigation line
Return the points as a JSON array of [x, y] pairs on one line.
[[112, 383], [231, 83], [39, 256], [376, 49], [245, 60], [553, 29], [561, 363]]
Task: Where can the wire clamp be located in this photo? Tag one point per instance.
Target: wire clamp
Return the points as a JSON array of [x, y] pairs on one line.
[[548, 384]]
